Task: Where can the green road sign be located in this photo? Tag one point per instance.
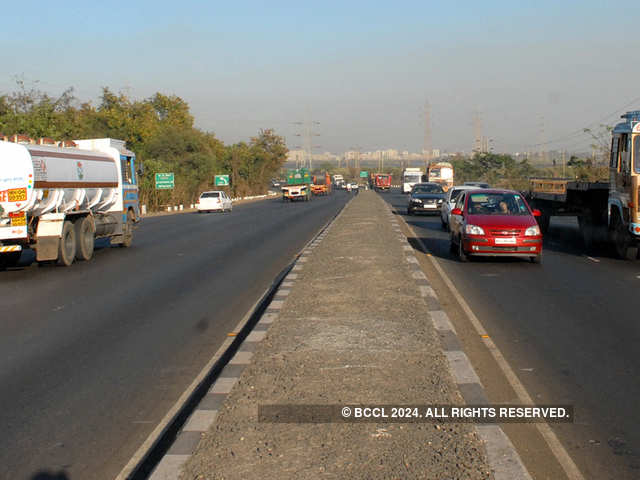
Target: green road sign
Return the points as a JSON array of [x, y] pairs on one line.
[[364, 174], [222, 180], [164, 181]]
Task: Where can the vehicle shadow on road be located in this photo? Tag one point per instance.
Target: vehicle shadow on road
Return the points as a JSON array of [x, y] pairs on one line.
[[443, 252], [44, 475], [563, 237]]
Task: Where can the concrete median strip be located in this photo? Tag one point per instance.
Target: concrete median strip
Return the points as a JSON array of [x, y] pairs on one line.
[[322, 344]]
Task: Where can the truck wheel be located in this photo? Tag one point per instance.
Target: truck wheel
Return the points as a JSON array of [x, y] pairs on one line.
[[8, 260], [67, 245], [127, 235], [85, 239]]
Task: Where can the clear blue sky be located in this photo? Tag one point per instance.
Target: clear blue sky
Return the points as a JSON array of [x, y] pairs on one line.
[[362, 70]]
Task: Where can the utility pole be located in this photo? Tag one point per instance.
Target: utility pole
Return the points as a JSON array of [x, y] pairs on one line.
[[307, 135], [564, 163], [479, 141], [542, 154], [427, 146]]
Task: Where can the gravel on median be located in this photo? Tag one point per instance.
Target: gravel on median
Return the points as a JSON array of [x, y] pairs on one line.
[[353, 330]]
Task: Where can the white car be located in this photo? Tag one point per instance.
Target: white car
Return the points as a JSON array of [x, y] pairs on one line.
[[214, 201], [450, 201]]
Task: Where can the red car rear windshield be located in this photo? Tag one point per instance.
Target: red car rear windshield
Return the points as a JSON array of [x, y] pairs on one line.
[[496, 204]]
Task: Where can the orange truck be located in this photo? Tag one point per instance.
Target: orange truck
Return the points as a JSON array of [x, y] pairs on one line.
[[321, 184]]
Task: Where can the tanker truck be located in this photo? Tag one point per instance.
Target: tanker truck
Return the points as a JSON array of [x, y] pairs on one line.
[[58, 199]]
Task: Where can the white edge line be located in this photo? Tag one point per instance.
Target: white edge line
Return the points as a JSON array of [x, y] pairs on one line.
[[173, 411], [556, 447]]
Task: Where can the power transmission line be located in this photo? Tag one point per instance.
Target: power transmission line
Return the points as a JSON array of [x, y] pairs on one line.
[[581, 130]]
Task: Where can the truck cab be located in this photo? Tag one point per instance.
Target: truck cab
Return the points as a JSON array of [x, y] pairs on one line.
[[624, 173], [441, 173], [411, 176]]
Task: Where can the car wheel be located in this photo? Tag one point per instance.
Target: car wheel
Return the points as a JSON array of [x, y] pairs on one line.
[[409, 211], [462, 255], [537, 259]]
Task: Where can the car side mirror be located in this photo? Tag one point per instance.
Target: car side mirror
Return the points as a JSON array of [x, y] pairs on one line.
[[456, 211], [536, 212]]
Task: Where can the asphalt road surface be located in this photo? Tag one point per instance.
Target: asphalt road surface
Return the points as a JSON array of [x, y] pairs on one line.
[[93, 356], [569, 328]]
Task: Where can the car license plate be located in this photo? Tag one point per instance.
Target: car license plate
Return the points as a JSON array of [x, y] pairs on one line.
[[429, 205], [506, 241]]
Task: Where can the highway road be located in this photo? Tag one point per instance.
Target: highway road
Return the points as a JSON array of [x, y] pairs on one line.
[[569, 328], [93, 356]]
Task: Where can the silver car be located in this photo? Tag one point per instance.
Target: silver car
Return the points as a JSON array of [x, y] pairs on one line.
[[450, 201]]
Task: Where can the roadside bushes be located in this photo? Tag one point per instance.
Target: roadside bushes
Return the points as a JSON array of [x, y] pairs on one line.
[[160, 130]]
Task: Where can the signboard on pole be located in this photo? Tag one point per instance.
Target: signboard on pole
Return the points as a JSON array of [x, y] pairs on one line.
[[222, 180], [364, 174], [164, 181]]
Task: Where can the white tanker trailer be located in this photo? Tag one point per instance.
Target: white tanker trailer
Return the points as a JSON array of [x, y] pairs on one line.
[[57, 201]]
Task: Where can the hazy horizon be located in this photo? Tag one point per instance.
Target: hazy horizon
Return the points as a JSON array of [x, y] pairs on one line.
[[539, 72]]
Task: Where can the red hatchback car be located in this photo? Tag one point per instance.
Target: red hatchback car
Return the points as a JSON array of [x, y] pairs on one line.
[[492, 222]]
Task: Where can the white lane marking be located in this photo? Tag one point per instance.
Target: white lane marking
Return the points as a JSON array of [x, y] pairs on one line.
[[292, 276], [287, 284], [411, 259], [223, 385], [303, 259], [169, 467], [419, 275], [407, 248], [142, 451], [282, 292], [297, 267], [200, 421], [594, 259], [502, 455], [441, 320], [461, 367], [563, 458]]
